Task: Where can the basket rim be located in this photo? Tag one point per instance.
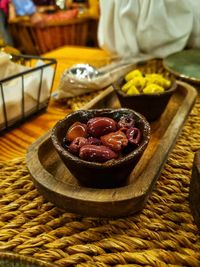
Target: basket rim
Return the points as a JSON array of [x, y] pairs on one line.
[[47, 62]]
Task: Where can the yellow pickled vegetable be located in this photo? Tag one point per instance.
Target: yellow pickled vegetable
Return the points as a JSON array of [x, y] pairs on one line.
[[153, 89], [139, 82], [133, 91], [166, 83], [127, 85], [158, 79], [132, 74]]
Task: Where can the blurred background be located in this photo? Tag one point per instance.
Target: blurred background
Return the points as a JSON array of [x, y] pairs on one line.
[[35, 27]]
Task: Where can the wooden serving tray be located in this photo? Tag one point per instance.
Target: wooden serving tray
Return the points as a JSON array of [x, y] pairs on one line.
[[57, 184]]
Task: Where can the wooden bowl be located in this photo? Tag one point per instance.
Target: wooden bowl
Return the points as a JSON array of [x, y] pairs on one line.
[[112, 173], [149, 105]]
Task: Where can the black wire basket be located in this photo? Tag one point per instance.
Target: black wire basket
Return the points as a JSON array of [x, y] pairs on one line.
[[27, 92]]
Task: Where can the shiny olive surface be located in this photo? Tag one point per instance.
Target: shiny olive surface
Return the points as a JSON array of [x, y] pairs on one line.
[[115, 140], [102, 138], [97, 153], [77, 129], [99, 126]]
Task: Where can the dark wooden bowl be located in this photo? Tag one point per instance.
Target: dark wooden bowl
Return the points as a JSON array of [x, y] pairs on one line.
[[149, 105], [112, 173]]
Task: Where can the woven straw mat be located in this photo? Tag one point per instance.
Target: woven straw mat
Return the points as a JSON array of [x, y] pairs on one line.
[[162, 234]]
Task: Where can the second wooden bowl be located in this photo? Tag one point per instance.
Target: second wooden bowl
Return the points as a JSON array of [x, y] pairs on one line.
[[149, 105]]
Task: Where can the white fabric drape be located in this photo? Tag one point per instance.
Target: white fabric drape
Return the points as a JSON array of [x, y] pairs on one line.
[[154, 27]]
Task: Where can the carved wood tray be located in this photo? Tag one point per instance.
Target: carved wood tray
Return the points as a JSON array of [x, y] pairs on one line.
[[57, 184]]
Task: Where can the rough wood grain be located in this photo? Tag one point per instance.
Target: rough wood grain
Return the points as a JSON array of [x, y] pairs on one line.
[[56, 183]]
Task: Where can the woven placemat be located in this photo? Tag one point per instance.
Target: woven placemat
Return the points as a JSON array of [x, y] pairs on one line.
[[162, 234]]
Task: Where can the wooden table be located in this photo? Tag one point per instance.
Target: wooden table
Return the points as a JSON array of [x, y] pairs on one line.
[[14, 143], [162, 234]]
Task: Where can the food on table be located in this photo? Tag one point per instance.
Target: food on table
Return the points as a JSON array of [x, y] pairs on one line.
[[133, 135], [138, 82], [132, 74], [99, 126], [133, 91], [115, 140], [96, 153], [158, 79], [102, 138], [93, 141], [153, 88], [127, 85], [126, 121], [78, 129], [76, 144]]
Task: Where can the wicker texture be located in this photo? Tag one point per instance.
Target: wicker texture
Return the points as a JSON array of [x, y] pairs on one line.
[[8, 259], [162, 234], [33, 40]]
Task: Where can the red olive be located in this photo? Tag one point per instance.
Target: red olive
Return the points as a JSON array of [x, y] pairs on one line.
[[99, 126], [94, 141], [115, 140], [77, 129], [134, 135], [96, 153], [126, 121], [76, 144]]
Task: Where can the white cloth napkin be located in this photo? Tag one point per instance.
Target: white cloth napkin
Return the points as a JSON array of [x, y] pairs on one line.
[[12, 90]]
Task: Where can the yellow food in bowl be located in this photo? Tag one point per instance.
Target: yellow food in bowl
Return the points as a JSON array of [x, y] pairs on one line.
[[153, 88], [137, 82], [127, 85], [133, 91], [132, 74], [158, 79]]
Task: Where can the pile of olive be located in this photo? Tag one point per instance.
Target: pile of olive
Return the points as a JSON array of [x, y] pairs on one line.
[[138, 82], [102, 138]]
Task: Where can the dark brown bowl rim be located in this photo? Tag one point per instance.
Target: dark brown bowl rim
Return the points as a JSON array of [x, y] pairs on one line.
[[109, 163], [117, 87]]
